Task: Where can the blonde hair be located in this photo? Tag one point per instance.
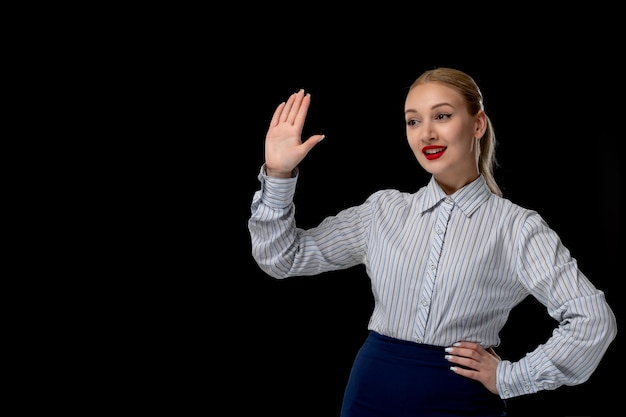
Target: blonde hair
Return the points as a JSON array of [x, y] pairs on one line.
[[468, 89]]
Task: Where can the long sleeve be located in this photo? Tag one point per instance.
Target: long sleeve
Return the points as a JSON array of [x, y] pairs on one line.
[[586, 323], [282, 250]]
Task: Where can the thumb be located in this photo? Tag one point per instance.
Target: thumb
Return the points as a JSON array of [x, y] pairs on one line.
[[312, 141]]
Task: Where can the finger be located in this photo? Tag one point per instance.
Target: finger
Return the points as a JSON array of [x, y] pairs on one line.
[[287, 108], [468, 373], [277, 114], [493, 352], [294, 110], [463, 361], [311, 142], [468, 345], [303, 109], [463, 352]]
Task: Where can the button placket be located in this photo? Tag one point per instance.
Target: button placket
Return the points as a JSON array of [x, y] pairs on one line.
[[444, 211]]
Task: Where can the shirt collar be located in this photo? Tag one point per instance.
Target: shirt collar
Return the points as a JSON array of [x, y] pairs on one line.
[[467, 198]]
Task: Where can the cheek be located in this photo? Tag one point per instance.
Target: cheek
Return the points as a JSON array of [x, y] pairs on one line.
[[415, 145], [411, 140], [412, 136]]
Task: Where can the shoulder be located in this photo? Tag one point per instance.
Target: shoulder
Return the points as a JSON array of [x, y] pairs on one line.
[[511, 213], [512, 207], [394, 197]]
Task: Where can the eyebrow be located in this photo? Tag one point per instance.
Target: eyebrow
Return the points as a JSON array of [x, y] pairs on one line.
[[432, 108]]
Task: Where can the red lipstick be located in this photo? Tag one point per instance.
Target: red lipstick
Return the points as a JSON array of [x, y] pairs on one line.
[[433, 152]]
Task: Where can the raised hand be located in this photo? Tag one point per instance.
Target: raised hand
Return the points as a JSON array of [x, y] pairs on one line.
[[284, 148]]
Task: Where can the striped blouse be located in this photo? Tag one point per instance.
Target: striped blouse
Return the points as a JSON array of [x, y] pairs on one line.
[[445, 268]]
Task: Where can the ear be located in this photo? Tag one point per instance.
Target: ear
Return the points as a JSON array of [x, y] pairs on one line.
[[480, 124]]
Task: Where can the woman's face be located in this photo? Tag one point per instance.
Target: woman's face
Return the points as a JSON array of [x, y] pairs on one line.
[[443, 135]]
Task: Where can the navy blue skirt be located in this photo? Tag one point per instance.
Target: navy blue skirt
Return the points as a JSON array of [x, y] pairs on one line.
[[396, 378]]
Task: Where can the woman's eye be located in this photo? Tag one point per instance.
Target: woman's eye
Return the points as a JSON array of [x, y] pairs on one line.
[[411, 122], [443, 116]]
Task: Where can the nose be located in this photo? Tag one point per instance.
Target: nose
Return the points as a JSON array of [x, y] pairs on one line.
[[427, 134]]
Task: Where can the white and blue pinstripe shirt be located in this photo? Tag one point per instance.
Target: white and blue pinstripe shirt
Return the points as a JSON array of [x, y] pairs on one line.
[[447, 268]]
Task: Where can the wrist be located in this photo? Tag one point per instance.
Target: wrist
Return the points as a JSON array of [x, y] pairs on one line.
[[277, 173]]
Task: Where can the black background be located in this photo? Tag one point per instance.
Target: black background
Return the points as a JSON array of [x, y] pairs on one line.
[[221, 334]]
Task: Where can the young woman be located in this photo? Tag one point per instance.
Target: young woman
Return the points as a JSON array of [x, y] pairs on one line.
[[447, 265]]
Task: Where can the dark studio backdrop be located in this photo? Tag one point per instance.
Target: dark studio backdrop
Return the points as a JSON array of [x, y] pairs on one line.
[[238, 340], [180, 101], [300, 335]]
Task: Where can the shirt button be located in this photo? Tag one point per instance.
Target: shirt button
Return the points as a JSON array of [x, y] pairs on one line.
[[432, 267]]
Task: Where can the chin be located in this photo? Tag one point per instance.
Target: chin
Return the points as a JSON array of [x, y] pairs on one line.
[[430, 166]]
